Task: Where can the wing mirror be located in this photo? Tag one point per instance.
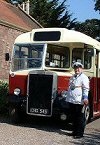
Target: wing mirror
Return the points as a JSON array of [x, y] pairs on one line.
[[7, 57]]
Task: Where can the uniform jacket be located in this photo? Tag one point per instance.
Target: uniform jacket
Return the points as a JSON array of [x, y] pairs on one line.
[[78, 89]]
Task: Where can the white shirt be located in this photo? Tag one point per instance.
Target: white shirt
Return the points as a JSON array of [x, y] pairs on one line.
[[78, 87]]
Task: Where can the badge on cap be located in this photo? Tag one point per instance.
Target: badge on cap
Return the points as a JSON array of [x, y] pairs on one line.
[[77, 64]]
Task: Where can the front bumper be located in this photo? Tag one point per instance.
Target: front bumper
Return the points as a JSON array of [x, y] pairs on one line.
[[18, 101]]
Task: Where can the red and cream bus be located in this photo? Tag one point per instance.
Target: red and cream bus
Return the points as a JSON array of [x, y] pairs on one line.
[[41, 66]]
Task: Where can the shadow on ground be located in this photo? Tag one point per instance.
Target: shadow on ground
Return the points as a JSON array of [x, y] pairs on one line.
[[88, 139], [54, 125]]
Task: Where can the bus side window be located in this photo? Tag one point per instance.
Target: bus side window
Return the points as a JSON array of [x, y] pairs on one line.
[[88, 58], [83, 56], [57, 57], [47, 62], [77, 55]]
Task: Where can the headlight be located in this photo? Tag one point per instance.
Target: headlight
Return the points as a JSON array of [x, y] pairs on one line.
[[63, 117], [64, 94], [17, 91]]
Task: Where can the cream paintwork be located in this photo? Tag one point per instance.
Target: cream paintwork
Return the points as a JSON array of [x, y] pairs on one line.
[[26, 72], [21, 72], [58, 73], [67, 36], [67, 73]]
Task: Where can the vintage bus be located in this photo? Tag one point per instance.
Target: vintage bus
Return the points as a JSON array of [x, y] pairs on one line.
[[41, 66]]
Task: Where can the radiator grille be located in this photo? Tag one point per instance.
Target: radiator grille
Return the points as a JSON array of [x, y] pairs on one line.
[[40, 94]]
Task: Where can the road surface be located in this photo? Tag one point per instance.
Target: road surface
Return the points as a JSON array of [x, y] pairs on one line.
[[45, 133]]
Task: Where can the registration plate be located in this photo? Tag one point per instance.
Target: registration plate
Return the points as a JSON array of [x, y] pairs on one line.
[[39, 111]]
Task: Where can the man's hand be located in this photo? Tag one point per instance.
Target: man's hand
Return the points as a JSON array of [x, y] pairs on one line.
[[86, 102]]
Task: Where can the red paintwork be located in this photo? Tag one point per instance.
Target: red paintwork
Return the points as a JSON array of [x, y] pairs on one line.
[[98, 93], [63, 83], [18, 81], [95, 90]]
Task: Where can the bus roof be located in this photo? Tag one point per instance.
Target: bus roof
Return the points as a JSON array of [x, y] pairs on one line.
[[56, 35]]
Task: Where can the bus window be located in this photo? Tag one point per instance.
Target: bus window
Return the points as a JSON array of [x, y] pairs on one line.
[[20, 53], [57, 57], [27, 56], [87, 59], [77, 55], [83, 56]]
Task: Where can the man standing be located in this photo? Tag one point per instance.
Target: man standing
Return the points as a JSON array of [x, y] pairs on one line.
[[78, 99]]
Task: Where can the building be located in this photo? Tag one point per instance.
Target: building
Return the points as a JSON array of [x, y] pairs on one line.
[[13, 22]]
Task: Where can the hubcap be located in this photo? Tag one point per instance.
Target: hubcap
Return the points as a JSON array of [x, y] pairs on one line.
[[87, 112]]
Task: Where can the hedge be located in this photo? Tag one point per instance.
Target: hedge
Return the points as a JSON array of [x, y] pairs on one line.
[[3, 95]]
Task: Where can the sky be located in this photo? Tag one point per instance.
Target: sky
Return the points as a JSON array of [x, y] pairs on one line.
[[82, 9]]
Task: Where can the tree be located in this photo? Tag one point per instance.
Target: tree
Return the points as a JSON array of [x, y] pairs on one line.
[[90, 27], [15, 1], [97, 5], [51, 13]]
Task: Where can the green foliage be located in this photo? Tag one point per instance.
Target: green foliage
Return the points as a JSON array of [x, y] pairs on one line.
[[90, 27], [54, 13], [51, 13], [3, 95], [97, 5], [16, 1]]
